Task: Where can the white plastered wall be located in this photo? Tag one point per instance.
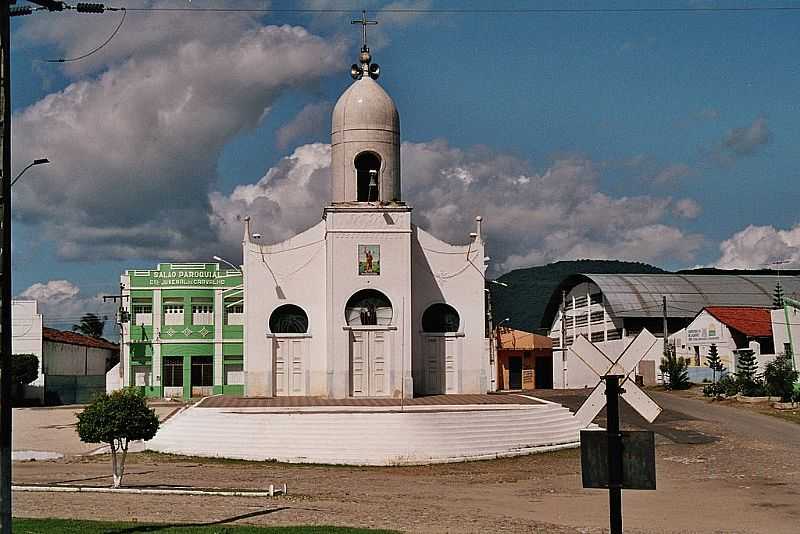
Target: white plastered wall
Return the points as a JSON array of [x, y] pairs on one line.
[[347, 228], [454, 275], [291, 272]]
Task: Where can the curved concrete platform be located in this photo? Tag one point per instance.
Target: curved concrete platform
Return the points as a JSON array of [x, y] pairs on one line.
[[369, 435]]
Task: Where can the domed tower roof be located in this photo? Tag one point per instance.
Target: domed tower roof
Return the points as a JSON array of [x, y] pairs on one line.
[[365, 105], [365, 139]]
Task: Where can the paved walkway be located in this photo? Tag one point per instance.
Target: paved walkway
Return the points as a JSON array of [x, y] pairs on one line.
[[222, 401]]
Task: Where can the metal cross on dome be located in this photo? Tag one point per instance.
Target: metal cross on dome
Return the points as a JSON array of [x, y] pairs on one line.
[[364, 23], [621, 366]]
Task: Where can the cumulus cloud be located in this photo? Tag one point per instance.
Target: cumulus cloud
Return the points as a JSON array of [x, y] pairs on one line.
[[135, 148], [62, 304], [651, 171], [760, 246], [687, 208], [743, 141], [671, 173], [313, 121], [530, 217]]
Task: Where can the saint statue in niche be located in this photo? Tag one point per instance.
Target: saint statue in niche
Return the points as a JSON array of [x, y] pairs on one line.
[[369, 259]]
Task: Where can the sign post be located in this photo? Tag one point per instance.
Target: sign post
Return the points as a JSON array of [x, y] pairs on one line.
[[622, 459], [614, 454]]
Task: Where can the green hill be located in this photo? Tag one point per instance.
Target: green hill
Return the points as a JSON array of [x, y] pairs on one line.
[[529, 290]]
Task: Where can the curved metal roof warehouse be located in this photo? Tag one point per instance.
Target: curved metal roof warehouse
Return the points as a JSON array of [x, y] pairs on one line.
[[640, 295]]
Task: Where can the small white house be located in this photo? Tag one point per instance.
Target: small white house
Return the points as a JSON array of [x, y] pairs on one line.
[[731, 329], [786, 332], [26, 338]]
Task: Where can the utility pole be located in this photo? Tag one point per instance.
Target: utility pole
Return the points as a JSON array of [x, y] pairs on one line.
[[5, 267], [564, 338], [5, 235], [122, 314], [665, 328]]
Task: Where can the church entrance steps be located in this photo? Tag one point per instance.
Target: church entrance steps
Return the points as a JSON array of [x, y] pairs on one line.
[[223, 401], [343, 432]]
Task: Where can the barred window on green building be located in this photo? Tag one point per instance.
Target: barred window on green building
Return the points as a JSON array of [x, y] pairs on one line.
[[142, 308], [202, 310], [173, 310], [234, 310]]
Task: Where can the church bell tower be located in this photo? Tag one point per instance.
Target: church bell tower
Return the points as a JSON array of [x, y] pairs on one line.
[[365, 138]]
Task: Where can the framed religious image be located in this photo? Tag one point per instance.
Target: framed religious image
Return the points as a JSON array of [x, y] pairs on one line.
[[369, 259]]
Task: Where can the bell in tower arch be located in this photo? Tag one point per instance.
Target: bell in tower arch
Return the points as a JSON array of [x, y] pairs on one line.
[[368, 168]]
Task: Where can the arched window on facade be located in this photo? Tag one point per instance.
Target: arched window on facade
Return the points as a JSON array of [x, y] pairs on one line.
[[440, 317], [368, 168], [288, 319], [368, 307]]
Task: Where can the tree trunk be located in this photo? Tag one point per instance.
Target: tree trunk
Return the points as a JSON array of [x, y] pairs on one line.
[[121, 467], [114, 465]]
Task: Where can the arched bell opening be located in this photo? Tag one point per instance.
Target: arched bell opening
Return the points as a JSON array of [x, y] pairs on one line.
[[368, 307], [368, 168]]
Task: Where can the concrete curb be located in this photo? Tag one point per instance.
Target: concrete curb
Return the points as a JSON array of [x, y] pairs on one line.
[[273, 491]]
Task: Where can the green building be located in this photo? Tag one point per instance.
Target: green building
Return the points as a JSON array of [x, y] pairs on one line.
[[183, 330]]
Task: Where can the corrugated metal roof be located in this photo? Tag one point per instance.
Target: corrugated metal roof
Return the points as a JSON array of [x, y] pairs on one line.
[[639, 295]]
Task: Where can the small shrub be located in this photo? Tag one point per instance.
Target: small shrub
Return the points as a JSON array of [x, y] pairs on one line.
[[713, 390], [780, 378], [675, 370], [754, 388], [728, 385]]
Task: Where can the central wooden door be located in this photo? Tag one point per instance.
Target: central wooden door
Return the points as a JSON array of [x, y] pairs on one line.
[[369, 350], [290, 367]]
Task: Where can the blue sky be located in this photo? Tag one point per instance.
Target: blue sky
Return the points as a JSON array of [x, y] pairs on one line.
[[662, 137]]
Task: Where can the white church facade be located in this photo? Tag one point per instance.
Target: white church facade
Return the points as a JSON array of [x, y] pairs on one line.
[[365, 303]]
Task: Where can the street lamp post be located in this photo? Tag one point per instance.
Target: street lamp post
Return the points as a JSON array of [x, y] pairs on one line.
[[223, 260], [39, 161]]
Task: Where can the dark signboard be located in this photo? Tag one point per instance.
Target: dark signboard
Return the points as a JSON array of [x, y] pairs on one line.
[[638, 459]]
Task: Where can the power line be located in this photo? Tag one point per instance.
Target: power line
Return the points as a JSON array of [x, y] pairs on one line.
[[479, 11], [96, 49]]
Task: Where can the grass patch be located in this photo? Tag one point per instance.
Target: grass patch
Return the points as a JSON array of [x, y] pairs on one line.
[[70, 526]]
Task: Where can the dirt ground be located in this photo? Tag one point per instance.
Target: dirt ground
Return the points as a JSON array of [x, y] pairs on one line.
[[720, 469], [52, 429]]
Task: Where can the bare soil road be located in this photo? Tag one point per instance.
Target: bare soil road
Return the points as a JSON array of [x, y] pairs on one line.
[[720, 469]]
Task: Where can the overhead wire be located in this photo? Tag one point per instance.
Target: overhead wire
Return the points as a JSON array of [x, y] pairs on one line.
[[97, 48], [483, 11]]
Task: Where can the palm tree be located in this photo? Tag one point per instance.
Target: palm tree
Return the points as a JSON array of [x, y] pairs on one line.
[[91, 325]]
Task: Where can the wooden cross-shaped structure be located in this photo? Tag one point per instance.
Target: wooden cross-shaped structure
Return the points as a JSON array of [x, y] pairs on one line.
[[364, 23]]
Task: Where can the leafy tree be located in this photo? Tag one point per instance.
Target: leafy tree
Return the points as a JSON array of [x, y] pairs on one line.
[[117, 419], [780, 377], [777, 296], [714, 362], [91, 325], [24, 368], [675, 369]]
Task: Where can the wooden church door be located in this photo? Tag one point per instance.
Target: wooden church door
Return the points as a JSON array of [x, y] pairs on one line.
[[369, 363], [289, 367]]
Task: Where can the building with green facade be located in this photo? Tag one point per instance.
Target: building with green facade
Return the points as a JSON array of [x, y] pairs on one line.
[[183, 330]]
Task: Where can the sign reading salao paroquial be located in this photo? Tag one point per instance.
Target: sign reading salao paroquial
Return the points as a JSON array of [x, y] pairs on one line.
[[185, 275]]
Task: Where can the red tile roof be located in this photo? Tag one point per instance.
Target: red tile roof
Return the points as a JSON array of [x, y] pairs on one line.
[[74, 338], [752, 322]]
